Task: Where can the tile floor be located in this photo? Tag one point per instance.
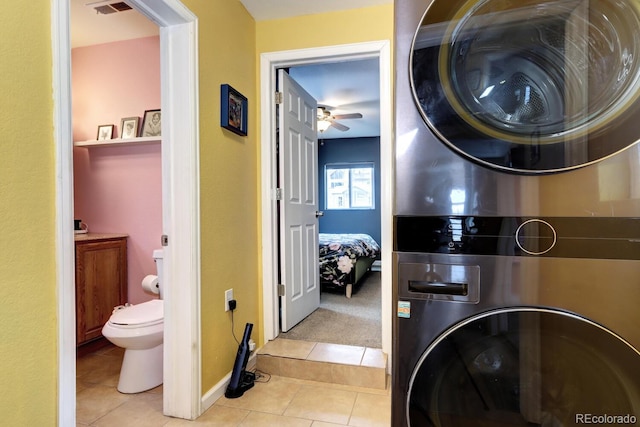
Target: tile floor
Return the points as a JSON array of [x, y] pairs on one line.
[[333, 363], [275, 401]]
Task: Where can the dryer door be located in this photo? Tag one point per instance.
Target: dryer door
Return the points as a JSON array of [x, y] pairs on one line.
[[530, 86], [523, 367]]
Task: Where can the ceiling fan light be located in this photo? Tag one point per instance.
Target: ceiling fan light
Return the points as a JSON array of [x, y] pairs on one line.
[[323, 125]]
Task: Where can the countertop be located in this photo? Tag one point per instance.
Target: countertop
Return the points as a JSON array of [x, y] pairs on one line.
[[86, 237]]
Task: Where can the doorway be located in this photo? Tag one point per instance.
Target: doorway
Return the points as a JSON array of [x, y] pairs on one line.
[[180, 216], [270, 62], [346, 176]]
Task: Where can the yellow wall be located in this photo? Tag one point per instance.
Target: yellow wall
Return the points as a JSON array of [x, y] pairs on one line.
[[228, 176], [28, 323], [230, 45], [326, 29]]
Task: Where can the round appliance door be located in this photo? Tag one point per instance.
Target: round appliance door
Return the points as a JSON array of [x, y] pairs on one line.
[[530, 86], [524, 367]]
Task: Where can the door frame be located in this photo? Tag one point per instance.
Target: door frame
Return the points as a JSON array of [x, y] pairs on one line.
[[180, 205], [269, 63]]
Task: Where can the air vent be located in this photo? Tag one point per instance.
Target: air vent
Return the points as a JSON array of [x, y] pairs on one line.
[[121, 6], [105, 10], [112, 8]]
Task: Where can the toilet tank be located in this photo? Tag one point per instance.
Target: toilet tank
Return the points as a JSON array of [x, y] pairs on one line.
[[158, 255]]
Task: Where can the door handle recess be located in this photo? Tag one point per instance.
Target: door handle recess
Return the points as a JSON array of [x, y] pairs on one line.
[[439, 288]]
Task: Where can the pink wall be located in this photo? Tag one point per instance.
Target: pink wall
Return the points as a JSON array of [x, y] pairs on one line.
[[118, 189]]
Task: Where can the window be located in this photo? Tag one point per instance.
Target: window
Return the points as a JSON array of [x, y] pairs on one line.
[[349, 186]]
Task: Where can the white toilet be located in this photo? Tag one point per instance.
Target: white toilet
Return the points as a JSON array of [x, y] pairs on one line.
[[139, 329]]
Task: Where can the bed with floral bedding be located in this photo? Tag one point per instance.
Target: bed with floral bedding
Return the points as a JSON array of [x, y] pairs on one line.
[[345, 258]]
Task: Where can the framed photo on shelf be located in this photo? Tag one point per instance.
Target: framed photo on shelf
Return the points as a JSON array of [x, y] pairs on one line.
[[129, 127], [233, 110], [151, 123], [104, 132]]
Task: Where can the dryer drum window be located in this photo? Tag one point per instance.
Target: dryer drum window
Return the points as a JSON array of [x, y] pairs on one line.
[[516, 84], [524, 366]]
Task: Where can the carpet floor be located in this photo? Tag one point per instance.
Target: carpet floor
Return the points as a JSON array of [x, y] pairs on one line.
[[341, 320]]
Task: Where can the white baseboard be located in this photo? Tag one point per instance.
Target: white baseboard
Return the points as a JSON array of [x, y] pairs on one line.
[[376, 266], [217, 391]]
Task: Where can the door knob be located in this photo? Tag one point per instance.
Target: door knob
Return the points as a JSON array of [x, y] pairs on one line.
[[319, 214]]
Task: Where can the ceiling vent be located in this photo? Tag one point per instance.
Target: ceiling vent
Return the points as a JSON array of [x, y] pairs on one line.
[[106, 9]]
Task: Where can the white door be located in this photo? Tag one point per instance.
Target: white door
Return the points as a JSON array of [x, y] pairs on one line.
[[298, 183]]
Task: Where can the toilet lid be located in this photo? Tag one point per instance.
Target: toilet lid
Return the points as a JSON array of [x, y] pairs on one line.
[[147, 312]]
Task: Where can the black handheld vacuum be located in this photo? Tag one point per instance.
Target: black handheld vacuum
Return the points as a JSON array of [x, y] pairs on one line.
[[241, 380]]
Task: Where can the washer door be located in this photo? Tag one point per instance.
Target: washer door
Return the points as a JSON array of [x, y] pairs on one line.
[[530, 86], [523, 367]]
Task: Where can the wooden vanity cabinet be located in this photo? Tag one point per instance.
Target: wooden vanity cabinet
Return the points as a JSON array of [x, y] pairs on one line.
[[101, 282]]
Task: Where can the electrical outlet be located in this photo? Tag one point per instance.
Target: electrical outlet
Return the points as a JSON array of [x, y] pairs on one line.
[[228, 296]]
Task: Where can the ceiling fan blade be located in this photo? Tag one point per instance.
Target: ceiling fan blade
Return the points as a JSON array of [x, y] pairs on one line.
[[347, 116], [339, 126]]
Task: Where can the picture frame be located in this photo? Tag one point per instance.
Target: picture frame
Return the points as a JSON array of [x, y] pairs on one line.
[[151, 123], [233, 110], [129, 127], [104, 132]]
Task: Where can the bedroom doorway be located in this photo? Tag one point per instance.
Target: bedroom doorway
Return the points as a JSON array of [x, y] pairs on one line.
[[329, 183], [270, 62]]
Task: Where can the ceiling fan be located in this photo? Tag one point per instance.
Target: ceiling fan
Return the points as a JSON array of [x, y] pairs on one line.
[[326, 119]]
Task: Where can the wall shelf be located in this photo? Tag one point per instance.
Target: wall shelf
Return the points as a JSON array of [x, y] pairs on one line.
[[143, 140]]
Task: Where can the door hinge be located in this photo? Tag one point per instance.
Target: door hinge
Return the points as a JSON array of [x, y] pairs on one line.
[[278, 193], [280, 290], [164, 240], [279, 97]]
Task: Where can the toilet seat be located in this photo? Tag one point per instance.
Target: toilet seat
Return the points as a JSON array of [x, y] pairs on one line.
[[134, 316]]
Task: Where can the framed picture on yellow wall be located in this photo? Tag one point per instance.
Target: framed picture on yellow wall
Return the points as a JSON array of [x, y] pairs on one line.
[[233, 110]]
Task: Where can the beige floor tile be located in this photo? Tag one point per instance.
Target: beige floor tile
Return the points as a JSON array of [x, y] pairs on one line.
[[270, 397], [140, 410], [306, 369], [111, 350], [99, 369], [288, 348], [96, 401], [323, 424], [269, 364], [337, 386], [371, 410], [216, 416], [374, 358], [322, 404], [258, 419], [359, 376], [337, 353]]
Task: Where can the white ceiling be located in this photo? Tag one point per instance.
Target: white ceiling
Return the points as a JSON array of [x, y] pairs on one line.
[[89, 27], [345, 87]]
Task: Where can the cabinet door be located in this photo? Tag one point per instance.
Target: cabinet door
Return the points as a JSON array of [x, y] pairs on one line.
[[101, 285]]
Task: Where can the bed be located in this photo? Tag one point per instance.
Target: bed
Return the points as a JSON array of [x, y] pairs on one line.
[[345, 258]]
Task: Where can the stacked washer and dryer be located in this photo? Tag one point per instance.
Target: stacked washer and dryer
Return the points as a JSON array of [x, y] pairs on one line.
[[517, 213]]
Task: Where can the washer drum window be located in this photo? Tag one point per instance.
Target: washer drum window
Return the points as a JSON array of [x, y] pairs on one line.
[[530, 86], [523, 367]]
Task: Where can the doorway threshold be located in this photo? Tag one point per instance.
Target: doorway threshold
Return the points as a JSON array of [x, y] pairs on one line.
[[331, 363]]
